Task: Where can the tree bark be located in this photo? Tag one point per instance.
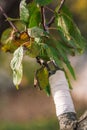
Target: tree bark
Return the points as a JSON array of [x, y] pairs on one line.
[[82, 122], [65, 110]]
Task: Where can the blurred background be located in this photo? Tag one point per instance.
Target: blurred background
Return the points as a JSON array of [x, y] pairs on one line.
[[29, 108]]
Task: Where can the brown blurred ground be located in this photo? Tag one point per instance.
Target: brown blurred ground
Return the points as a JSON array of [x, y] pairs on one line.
[[25, 105]]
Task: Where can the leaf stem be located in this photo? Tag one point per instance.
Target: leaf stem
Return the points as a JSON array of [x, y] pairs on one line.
[[5, 15], [49, 9]]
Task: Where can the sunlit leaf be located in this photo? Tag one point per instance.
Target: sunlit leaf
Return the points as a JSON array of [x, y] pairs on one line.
[[24, 12], [17, 76], [16, 65]]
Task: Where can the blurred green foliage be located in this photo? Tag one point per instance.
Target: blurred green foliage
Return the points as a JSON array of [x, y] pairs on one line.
[[44, 124]]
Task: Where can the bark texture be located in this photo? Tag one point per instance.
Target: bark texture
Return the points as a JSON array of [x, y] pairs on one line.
[[82, 122], [69, 121]]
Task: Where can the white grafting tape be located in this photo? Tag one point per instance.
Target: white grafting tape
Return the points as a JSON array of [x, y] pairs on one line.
[[61, 94]]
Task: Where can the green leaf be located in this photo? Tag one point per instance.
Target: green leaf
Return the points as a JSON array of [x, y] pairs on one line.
[[33, 50], [36, 32], [42, 77], [17, 76], [43, 2], [43, 52], [47, 90], [5, 35], [13, 19], [68, 80], [64, 57], [16, 65], [70, 69], [53, 55], [24, 12], [70, 31], [64, 9], [35, 15], [7, 41], [17, 58]]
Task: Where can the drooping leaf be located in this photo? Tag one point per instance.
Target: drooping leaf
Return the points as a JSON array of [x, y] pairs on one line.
[[70, 32], [70, 69], [51, 49], [55, 50], [43, 2], [53, 55], [47, 90], [64, 58], [24, 12], [42, 76], [43, 52], [17, 58], [17, 76], [68, 80], [35, 15], [16, 66], [7, 41]]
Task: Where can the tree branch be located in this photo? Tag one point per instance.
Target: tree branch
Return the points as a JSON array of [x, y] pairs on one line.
[[5, 15], [53, 17], [43, 18], [61, 5], [51, 21]]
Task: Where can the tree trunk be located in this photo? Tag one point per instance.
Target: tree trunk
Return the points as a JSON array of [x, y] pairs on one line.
[[65, 110]]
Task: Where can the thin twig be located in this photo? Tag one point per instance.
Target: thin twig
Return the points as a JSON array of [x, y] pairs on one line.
[[49, 9], [5, 15], [51, 21], [61, 4], [53, 17], [43, 18]]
